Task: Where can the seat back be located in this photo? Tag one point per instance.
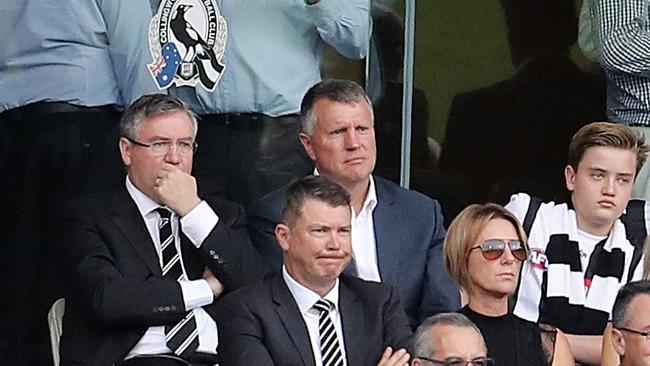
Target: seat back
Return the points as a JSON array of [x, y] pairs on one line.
[[55, 323]]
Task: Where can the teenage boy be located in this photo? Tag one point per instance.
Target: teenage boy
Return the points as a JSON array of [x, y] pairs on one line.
[[583, 251]]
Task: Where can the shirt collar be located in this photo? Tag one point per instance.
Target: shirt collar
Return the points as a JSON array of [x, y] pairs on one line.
[[370, 202], [371, 197], [306, 298], [145, 204]]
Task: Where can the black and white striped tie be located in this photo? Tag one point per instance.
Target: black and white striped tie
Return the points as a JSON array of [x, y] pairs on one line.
[[182, 337], [329, 342]]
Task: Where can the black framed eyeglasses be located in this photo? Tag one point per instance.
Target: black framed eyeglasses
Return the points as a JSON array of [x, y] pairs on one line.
[[162, 147], [637, 332], [492, 249], [456, 361]]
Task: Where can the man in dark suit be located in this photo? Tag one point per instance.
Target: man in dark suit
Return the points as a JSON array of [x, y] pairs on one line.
[[310, 314], [144, 265], [397, 233], [513, 136]]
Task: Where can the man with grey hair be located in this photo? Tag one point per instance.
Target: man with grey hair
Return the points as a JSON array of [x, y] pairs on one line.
[[449, 339], [396, 233], [631, 324], [145, 264]]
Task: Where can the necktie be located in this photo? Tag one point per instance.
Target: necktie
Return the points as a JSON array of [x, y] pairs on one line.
[[183, 337], [329, 343]]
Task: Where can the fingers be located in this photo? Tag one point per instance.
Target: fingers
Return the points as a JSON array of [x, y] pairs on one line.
[[215, 284], [176, 189], [398, 358], [167, 167]]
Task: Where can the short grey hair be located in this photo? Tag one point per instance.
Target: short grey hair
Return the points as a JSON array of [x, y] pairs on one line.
[[422, 345], [340, 91], [152, 105], [627, 293]]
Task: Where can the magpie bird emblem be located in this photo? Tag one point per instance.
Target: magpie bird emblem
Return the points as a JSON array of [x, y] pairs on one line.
[[198, 33]]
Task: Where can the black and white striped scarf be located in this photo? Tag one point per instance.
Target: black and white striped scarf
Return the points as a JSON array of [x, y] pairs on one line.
[[554, 288]]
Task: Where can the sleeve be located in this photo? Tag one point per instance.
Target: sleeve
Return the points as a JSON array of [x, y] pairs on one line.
[[262, 220], [397, 331], [108, 279], [623, 28], [198, 223], [241, 338], [228, 251], [343, 24], [196, 294], [440, 292], [127, 32]]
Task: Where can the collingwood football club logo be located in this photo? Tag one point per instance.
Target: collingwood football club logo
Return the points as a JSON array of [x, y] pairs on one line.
[[187, 40]]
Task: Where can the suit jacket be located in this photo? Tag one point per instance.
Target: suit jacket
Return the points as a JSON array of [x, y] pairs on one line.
[[262, 325], [114, 284], [408, 234]]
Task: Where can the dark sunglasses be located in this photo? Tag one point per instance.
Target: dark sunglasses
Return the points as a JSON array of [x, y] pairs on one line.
[[492, 249]]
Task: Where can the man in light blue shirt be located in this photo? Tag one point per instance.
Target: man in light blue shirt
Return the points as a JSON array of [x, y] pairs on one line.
[[269, 53]]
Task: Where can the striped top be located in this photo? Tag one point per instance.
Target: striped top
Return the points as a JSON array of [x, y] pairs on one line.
[[554, 287]]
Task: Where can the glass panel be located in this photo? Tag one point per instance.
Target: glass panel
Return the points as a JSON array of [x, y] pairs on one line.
[[506, 90]]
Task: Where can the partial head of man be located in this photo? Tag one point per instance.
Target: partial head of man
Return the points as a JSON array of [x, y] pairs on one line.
[[157, 142], [449, 339], [603, 161], [631, 324], [315, 232], [338, 131]]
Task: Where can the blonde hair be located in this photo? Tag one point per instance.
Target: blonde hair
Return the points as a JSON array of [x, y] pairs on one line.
[[465, 230]]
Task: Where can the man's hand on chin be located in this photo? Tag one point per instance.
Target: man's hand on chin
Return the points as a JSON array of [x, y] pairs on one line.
[[176, 189]]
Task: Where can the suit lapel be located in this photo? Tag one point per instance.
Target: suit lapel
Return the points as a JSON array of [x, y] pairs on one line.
[[126, 216], [292, 320], [387, 221], [352, 321]]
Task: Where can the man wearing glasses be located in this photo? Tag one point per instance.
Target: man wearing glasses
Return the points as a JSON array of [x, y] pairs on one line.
[[144, 265], [583, 251], [449, 339], [631, 323]]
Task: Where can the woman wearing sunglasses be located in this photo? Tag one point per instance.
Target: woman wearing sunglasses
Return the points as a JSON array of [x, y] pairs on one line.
[[484, 250]]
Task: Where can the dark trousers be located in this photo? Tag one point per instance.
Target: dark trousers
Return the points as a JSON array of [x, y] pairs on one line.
[[244, 156], [49, 153]]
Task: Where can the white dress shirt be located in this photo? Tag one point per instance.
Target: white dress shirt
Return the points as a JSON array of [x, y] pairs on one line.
[[306, 298], [196, 225], [364, 246]]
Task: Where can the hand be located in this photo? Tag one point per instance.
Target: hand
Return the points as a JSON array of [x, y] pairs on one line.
[[176, 189], [215, 284], [390, 358]]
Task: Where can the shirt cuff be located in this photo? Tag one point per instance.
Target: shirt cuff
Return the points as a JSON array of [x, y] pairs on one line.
[[196, 294], [198, 223]]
